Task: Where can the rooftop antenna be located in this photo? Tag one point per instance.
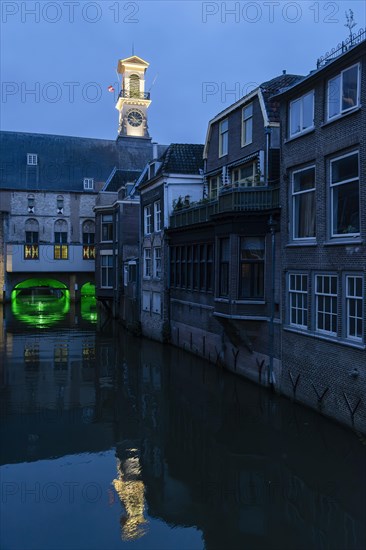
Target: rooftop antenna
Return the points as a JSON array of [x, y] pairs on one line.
[[153, 82], [350, 23]]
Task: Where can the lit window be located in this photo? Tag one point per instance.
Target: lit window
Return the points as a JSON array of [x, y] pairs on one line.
[[345, 200], [88, 184], [157, 216], [147, 262], [32, 159], [106, 267], [303, 203], [61, 250], [326, 304], [31, 247], [247, 125], [224, 138], [302, 114], [298, 300], [344, 91], [88, 240], [147, 220], [354, 307]]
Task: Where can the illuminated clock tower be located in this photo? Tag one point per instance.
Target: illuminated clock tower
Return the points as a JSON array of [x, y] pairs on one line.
[[133, 101]]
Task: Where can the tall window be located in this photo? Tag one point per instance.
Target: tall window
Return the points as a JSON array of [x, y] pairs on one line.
[[107, 227], [106, 267], [247, 125], [224, 137], [31, 251], [60, 204], [224, 256], [303, 203], [302, 114], [298, 297], [31, 201], [354, 307], [60, 249], [147, 220], [213, 187], [326, 304], [147, 262], [251, 276], [157, 216], [345, 200], [88, 240], [157, 262], [344, 91], [134, 85]]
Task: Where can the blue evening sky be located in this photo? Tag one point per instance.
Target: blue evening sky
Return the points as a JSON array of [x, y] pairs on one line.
[[59, 57]]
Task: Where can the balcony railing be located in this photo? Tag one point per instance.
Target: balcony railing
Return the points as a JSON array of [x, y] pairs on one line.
[[342, 47], [231, 200], [131, 94]]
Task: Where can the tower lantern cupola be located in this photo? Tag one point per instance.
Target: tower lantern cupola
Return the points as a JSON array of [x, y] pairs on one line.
[[133, 101]]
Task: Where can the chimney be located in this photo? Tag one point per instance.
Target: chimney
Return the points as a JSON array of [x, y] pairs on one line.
[[284, 71]]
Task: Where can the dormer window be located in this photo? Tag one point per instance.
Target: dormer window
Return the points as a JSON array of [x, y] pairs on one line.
[[152, 170], [32, 159], [344, 92], [223, 137], [60, 204], [302, 114], [88, 184], [30, 204]]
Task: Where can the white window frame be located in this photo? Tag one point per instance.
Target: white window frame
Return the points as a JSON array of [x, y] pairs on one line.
[[333, 310], [248, 181], [300, 100], [157, 216], [224, 137], [357, 299], [156, 303], [147, 220], [298, 299], [88, 184], [334, 185], [247, 119], [147, 263], [157, 262], [146, 300], [32, 159], [109, 271], [339, 76], [295, 194]]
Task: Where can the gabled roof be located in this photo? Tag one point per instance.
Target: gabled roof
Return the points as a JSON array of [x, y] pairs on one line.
[[133, 60], [179, 158], [263, 92], [274, 86]]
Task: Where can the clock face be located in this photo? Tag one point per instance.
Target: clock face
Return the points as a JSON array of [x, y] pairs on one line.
[[135, 118]]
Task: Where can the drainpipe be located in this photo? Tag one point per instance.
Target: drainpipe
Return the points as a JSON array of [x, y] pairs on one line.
[[266, 166], [272, 227]]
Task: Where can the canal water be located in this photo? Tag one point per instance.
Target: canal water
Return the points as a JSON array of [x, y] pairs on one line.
[[112, 441]]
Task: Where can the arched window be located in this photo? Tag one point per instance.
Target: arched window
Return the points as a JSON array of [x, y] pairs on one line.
[[134, 85], [60, 246], [88, 240], [31, 251]]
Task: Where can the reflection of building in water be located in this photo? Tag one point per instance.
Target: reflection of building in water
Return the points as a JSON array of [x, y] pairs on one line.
[[131, 491]]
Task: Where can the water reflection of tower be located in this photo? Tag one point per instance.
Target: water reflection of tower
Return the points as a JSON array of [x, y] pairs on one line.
[[131, 491]]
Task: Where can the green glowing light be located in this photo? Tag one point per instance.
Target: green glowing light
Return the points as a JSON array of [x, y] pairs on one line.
[[39, 302], [88, 308]]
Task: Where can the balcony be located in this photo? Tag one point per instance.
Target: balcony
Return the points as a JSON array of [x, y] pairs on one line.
[[49, 258], [232, 199], [131, 94]]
